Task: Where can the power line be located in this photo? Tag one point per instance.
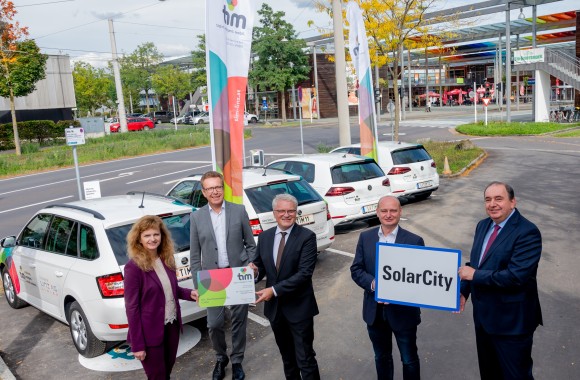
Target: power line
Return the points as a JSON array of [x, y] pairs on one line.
[[33, 5], [159, 26]]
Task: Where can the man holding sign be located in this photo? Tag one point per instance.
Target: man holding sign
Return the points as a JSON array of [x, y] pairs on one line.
[[221, 237], [385, 319]]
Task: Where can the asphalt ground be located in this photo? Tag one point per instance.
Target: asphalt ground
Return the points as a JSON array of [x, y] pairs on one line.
[[545, 174]]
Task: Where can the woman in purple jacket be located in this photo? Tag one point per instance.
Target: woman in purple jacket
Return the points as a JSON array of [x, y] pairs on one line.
[[152, 297]]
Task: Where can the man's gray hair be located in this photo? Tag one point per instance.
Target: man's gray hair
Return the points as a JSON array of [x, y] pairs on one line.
[[284, 197]]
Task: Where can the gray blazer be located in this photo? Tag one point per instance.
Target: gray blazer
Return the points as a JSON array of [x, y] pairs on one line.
[[240, 242]]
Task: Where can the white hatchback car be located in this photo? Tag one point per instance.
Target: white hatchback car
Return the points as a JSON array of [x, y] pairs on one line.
[[68, 262], [409, 167], [260, 187], [352, 185]]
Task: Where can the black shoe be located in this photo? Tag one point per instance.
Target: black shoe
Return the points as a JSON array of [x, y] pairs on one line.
[[219, 371], [238, 372]]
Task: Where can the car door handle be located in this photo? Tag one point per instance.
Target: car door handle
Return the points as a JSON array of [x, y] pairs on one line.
[[33, 266], [58, 274]]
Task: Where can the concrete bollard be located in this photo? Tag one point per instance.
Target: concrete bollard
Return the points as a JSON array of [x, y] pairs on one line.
[[446, 169]]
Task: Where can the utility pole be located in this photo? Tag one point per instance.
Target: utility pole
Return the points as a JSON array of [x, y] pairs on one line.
[[118, 85], [340, 74]]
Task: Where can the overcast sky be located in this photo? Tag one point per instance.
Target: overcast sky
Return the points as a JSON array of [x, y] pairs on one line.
[[79, 28]]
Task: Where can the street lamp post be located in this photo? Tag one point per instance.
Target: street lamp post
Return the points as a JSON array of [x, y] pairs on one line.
[[299, 111], [118, 85]]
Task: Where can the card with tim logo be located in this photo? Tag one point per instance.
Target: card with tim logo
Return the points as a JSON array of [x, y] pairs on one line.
[[227, 286]]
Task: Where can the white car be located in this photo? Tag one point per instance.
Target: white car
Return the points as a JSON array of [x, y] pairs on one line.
[[409, 167], [260, 187], [352, 185], [68, 262], [251, 118], [201, 118]]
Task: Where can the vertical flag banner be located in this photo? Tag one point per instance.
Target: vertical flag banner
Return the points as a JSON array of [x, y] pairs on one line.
[[228, 36], [359, 52]]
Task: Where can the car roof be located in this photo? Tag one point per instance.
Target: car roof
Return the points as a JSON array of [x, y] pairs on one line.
[[258, 176], [331, 159], [120, 209], [391, 145]]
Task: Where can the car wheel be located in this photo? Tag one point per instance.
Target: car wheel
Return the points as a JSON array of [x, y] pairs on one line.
[[254, 120], [146, 128], [10, 291], [85, 342], [423, 195]]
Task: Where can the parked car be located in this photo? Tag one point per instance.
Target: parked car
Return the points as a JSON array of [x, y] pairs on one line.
[[251, 118], [159, 117], [260, 187], [202, 117], [352, 185], [185, 118], [409, 167], [134, 124], [68, 262]]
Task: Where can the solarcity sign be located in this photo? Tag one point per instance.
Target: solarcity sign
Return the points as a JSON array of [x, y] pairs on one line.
[[522, 57]]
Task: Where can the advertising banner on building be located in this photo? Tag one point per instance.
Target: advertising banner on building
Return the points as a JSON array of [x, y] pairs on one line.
[[229, 25], [359, 52], [522, 57]]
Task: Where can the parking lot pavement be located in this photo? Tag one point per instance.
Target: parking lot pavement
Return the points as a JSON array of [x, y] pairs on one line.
[[545, 175]]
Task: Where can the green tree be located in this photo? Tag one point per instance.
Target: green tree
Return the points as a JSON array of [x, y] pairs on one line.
[[91, 87], [171, 81], [199, 72], [21, 63], [138, 67], [280, 60]]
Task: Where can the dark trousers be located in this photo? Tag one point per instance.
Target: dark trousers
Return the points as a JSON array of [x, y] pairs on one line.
[[159, 360], [381, 337], [216, 321], [295, 342], [504, 357]]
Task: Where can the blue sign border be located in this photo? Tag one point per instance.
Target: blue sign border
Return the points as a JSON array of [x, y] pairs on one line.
[[450, 250]]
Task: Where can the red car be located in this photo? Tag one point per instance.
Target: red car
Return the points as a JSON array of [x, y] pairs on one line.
[[134, 124]]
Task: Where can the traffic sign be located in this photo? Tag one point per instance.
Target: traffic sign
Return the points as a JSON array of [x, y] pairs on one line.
[[485, 101], [74, 136], [531, 81]]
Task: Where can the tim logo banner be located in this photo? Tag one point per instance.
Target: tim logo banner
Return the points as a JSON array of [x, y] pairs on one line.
[[229, 25]]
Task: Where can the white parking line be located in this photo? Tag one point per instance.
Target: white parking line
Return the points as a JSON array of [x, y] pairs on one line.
[[35, 204], [340, 252], [259, 320], [166, 174]]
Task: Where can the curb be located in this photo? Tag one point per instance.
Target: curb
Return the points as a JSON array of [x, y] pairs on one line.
[[472, 165], [5, 373]]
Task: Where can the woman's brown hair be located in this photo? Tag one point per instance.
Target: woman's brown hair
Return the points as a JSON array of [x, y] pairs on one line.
[[139, 254]]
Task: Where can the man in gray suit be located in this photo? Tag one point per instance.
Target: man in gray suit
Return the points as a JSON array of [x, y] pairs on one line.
[[221, 237]]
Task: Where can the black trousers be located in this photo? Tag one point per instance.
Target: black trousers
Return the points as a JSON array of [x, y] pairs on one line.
[[507, 357], [295, 342]]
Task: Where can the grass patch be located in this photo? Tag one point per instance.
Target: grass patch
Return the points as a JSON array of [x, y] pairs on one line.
[[111, 147], [498, 128], [458, 158], [323, 148], [574, 133]]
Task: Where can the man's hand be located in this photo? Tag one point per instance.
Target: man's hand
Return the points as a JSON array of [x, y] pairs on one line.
[[466, 273], [254, 268], [265, 295], [139, 355], [194, 295]]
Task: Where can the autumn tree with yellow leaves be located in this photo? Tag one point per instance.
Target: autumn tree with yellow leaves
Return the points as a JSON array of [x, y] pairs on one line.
[[21, 63], [396, 25]]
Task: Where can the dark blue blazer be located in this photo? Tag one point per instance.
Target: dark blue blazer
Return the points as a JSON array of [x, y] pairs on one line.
[[504, 290], [293, 283], [363, 273]]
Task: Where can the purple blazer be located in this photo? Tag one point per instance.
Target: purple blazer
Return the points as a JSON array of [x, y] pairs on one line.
[[145, 305]]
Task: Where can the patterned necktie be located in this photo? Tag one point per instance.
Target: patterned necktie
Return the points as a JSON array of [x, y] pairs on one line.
[[490, 241], [280, 250]]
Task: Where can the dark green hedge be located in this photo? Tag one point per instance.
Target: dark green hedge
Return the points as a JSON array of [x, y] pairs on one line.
[[43, 132]]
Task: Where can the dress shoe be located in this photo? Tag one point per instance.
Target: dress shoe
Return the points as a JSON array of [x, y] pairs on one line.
[[219, 371], [238, 372]]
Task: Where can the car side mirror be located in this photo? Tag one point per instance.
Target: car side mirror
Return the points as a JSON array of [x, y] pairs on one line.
[[8, 242]]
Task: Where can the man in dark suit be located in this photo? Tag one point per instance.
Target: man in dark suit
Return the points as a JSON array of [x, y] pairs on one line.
[[221, 237], [287, 256], [501, 278], [383, 319]]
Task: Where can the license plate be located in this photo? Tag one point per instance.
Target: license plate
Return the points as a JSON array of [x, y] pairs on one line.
[[183, 273], [422, 185], [305, 219], [369, 208]]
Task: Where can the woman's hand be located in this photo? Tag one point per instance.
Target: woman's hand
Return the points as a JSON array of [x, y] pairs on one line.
[[140, 355]]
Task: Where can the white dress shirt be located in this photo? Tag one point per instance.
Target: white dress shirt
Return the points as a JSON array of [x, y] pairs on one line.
[[218, 221]]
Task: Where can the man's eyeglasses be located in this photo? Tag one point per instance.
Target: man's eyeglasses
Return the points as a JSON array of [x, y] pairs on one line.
[[282, 212], [215, 188]]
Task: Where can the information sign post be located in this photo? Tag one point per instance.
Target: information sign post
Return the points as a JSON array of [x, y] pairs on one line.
[[485, 103], [74, 137]]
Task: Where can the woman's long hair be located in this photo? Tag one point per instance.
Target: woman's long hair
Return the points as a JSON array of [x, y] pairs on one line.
[[139, 254]]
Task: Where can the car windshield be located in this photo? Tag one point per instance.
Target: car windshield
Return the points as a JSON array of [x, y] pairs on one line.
[[178, 226], [410, 155], [354, 172], [261, 197]]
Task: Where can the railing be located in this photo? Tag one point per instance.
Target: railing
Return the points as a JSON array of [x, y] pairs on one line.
[[564, 61]]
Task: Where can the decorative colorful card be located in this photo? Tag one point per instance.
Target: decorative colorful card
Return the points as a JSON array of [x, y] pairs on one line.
[[228, 286]]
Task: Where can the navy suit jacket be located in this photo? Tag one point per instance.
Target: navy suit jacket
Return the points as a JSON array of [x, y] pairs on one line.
[[295, 298], [504, 290], [362, 270], [145, 305]]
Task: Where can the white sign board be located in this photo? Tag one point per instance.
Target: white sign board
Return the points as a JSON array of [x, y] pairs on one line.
[[92, 189], [418, 276], [74, 136], [522, 57]]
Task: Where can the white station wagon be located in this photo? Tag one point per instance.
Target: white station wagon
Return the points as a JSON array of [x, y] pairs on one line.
[[68, 262]]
